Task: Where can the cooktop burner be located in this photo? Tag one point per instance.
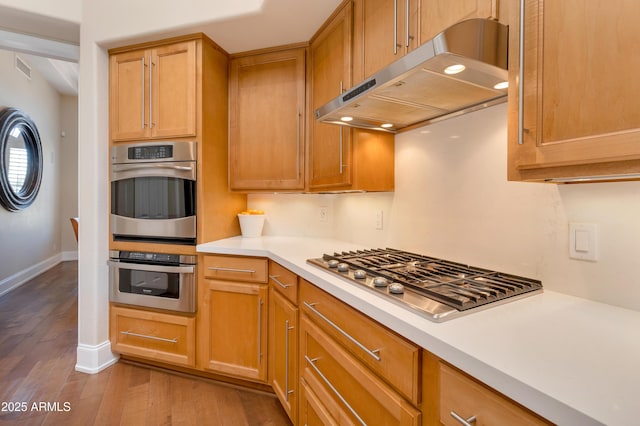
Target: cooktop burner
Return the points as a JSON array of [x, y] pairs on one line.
[[437, 288]]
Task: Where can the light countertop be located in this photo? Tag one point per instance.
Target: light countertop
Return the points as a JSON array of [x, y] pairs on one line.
[[572, 360]]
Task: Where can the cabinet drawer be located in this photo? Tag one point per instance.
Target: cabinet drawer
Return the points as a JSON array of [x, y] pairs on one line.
[[352, 393], [390, 356], [462, 396], [236, 268], [153, 335], [284, 281]]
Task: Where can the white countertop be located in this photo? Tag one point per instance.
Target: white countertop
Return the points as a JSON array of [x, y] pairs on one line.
[[573, 361]]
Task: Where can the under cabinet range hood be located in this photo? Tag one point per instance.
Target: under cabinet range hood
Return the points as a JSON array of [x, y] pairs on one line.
[[462, 69]]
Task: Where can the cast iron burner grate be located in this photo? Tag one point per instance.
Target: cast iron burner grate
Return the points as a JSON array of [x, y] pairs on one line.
[[456, 285]]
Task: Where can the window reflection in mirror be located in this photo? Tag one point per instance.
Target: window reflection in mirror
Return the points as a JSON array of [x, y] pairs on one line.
[[17, 160]]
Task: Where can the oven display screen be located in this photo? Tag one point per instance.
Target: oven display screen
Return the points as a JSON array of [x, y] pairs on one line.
[[153, 152]]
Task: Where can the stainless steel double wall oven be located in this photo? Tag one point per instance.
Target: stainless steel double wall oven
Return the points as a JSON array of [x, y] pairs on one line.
[[153, 200]]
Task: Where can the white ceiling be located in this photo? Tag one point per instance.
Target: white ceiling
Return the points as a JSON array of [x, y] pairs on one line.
[[278, 22]]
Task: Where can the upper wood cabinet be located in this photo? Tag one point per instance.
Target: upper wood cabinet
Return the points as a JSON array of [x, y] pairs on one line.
[[330, 74], [341, 158], [266, 121], [580, 90], [153, 92], [437, 15], [386, 30]]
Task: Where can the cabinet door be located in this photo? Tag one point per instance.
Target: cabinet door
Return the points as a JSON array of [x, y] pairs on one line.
[[235, 329], [173, 90], [283, 353], [266, 121], [437, 15], [580, 104], [128, 95], [330, 145], [382, 27]]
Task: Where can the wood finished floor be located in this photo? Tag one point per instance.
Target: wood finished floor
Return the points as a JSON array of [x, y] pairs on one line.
[[38, 339]]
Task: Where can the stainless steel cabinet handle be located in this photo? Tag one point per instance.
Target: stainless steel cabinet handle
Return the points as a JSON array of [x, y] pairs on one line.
[[219, 268], [520, 77], [340, 159], [333, 388], [406, 23], [142, 102], [259, 330], [298, 143], [375, 354], [395, 27], [466, 422], [144, 336], [151, 64], [287, 329], [280, 283]]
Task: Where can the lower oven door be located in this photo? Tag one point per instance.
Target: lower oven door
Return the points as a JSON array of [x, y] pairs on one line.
[[154, 286]]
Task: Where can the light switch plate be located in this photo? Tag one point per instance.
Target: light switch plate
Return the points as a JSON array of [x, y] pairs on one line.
[[583, 241]]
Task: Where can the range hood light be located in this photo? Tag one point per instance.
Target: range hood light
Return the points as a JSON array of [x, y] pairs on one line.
[[501, 85], [347, 119], [386, 125], [454, 69]]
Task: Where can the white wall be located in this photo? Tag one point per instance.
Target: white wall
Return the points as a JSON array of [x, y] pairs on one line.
[[452, 200], [31, 236], [68, 172]]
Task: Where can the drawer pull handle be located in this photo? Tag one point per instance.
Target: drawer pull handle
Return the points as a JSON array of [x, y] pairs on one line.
[[375, 354], [145, 336], [466, 422], [221, 269], [333, 388], [280, 283]]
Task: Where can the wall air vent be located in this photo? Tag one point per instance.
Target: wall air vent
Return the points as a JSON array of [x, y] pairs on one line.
[[23, 67]]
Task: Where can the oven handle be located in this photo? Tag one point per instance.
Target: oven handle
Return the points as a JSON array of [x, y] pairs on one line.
[[188, 269], [127, 171]]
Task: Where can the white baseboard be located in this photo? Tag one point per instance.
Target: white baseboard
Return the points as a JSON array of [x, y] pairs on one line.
[[69, 255], [19, 278], [93, 359]]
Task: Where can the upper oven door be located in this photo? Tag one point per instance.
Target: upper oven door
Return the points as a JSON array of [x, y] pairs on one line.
[[154, 201]]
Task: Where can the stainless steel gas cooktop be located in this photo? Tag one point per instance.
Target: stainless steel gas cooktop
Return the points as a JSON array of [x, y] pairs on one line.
[[436, 288]]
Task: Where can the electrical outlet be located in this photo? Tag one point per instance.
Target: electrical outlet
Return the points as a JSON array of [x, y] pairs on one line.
[[323, 214], [379, 224]]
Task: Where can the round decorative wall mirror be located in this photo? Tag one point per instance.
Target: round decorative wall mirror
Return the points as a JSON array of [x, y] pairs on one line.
[[20, 160]]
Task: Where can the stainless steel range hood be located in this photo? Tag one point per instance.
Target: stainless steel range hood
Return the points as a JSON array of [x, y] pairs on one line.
[[421, 87]]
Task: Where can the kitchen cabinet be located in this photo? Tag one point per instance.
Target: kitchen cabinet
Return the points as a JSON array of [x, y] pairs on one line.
[[283, 337], [153, 92], [386, 30], [232, 316], [153, 335], [341, 158], [266, 121], [348, 391], [353, 369], [579, 104], [461, 397], [437, 15]]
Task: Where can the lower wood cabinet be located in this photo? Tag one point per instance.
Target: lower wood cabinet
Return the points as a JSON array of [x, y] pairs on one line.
[[283, 351], [153, 335], [462, 397], [349, 392], [233, 318]]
